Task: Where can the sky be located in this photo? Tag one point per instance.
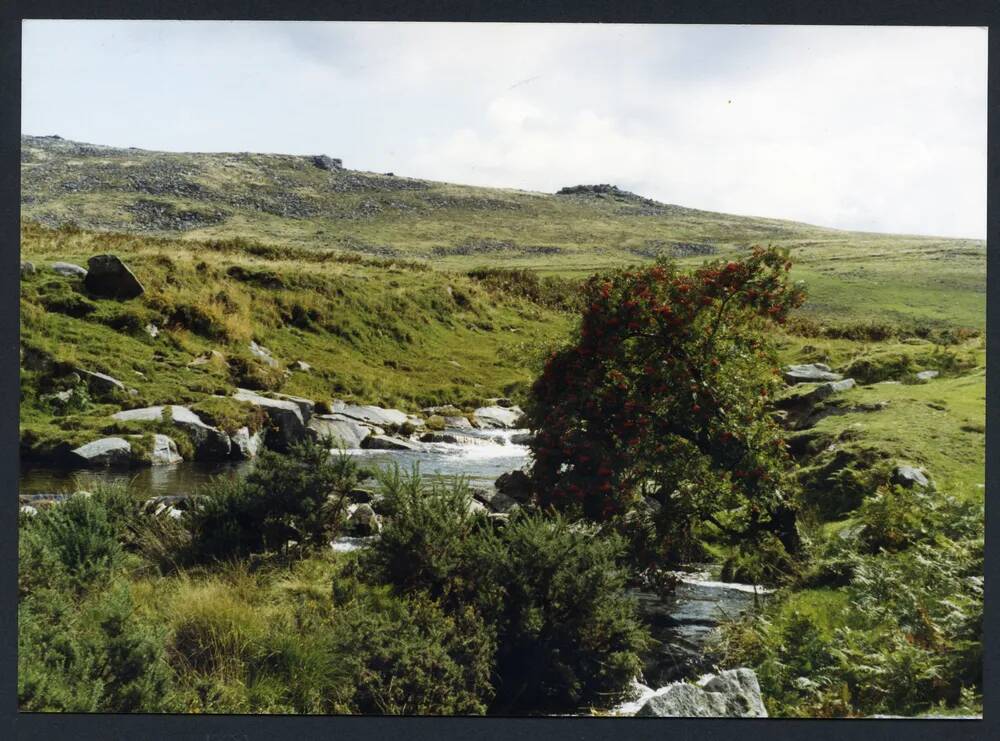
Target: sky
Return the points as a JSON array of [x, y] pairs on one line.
[[869, 128]]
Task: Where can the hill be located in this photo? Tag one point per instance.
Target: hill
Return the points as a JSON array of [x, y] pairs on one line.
[[315, 202]]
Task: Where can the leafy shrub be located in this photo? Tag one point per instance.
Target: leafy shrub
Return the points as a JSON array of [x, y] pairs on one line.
[[298, 496]]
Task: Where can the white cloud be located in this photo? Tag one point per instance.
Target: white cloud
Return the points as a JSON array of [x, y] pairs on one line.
[[870, 128]]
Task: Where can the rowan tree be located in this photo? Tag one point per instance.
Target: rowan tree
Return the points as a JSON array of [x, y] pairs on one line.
[[663, 394]]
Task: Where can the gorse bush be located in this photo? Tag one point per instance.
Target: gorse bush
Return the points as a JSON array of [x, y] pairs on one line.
[[550, 592]]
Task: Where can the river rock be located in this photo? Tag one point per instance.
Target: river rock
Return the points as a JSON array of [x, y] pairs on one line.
[[371, 415], [285, 417], [522, 438], [910, 476], [384, 442], [731, 694], [495, 500], [110, 278], [69, 270], [363, 521], [345, 432], [809, 373], [515, 484], [246, 445], [108, 451], [451, 438], [457, 423], [497, 417], [164, 452]]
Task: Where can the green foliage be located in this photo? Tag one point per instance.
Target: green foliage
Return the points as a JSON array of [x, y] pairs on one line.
[[95, 658], [551, 592], [299, 496], [663, 394]]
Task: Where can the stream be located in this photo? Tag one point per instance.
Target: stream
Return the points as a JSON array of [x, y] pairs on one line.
[[681, 623]]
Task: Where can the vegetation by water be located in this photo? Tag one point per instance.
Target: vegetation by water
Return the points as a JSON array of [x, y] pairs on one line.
[[241, 606]]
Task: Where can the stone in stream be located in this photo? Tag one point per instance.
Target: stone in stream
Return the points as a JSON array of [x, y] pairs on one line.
[[246, 445], [371, 415], [497, 501], [809, 372], [344, 431], [451, 438], [164, 452], [384, 442], [108, 277], [497, 417], [107, 451], [734, 693], [515, 484], [457, 423]]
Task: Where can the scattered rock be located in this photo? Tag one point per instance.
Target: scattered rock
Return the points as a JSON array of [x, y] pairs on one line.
[[495, 500], [152, 330], [108, 451], [27, 268], [263, 354], [733, 694], [205, 359], [810, 372], [27, 509], [499, 402], [910, 476], [450, 438], [328, 163], [209, 442], [927, 375], [101, 382], [109, 277], [301, 366], [69, 270], [458, 423], [306, 406]]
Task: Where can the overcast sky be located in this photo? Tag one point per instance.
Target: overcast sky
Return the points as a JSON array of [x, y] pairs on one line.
[[880, 129]]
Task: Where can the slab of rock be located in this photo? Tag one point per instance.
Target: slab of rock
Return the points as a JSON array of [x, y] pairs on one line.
[[368, 414], [910, 476], [497, 417], [732, 694], [457, 423], [246, 445], [306, 406], [809, 373], [495, 500], [522, 438], [345, 431], [69, 270], [110, 278], [101, 381], [285, 417], [108, 451], [384, 442]]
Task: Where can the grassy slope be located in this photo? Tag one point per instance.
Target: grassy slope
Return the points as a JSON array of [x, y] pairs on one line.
[[286, 200]]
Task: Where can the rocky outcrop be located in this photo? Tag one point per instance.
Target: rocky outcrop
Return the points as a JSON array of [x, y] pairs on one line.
[[328, 163], [451, 438], [164, 452], [69, 270], [495, 500], [285, 416], [809, 373], [107, 451], [497, 417], [108, 277], [262, 354], [101, 382], [731, 694], [210, 443], [371, 415]]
